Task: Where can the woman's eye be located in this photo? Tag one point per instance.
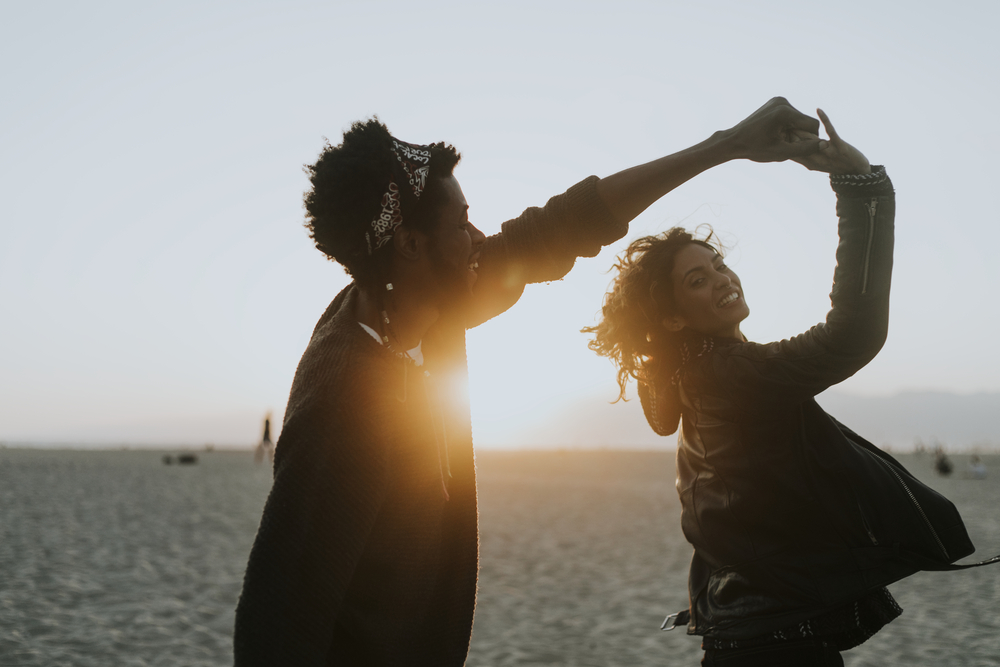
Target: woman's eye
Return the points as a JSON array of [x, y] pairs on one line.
[[697, 281]]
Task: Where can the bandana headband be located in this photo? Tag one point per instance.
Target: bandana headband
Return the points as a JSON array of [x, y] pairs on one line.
[[412, 166]]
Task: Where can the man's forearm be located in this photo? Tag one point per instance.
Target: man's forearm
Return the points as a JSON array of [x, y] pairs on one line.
[[773, 133], [631, 191]]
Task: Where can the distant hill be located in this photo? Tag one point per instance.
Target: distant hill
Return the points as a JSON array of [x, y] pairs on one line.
[[957, 421]]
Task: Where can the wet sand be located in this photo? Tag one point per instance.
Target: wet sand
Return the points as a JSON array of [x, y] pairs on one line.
[[112, 558]]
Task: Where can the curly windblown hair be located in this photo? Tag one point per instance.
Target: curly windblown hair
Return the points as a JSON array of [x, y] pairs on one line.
[[630, 331], [348, 181]]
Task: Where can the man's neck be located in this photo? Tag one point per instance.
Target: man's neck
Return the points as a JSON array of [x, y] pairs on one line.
[[410, 317]]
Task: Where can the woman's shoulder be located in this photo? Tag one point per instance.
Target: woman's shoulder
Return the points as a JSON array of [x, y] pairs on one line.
[[757, 377]]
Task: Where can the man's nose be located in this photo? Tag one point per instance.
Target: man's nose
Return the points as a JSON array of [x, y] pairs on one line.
[[478, 238]]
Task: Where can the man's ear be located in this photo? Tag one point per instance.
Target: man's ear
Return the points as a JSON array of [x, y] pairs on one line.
[[408, 242], [673, 324]]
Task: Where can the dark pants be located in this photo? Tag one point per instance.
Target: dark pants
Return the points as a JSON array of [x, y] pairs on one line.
[[793, 654]]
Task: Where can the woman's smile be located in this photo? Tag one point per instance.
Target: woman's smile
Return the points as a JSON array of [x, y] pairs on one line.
[[707, 294], [729, 299]]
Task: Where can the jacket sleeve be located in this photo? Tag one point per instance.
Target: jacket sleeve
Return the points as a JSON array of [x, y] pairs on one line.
[[540, 245], [793, 370], [327, 492]]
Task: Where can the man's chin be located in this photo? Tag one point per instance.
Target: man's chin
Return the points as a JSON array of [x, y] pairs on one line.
[[456, 291]]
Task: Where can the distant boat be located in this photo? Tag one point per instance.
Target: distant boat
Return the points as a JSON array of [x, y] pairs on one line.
[[187, 459]]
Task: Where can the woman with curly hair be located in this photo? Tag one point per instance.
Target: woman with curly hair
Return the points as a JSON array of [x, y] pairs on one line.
[[797, 523]]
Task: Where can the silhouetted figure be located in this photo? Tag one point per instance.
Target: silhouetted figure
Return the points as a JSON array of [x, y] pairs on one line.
[[942, 464], [266, 447], [187, 459]]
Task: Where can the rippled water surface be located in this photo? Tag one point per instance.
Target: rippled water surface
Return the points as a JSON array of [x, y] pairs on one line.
[[112, 558]]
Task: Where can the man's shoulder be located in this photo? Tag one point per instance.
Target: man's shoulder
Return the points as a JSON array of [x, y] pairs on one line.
[[339, 358]]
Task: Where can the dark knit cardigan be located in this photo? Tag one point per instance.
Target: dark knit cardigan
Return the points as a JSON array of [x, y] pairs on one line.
[[360, 559]]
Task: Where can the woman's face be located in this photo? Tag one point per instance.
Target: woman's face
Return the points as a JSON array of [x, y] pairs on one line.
[[707, 293]]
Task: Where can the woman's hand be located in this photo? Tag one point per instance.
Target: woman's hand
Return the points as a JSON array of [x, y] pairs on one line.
[[836, 157], [775, 132]]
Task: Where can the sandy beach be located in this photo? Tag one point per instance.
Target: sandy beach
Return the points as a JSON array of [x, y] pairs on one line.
[[112, 558]]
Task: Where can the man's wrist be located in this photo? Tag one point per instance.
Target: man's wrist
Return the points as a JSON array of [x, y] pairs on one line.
[[723, 146]]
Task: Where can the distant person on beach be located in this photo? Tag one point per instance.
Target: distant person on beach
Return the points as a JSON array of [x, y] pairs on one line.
[[977, 469], [265, 449], [367, 551], [797, 522], [942, 464]]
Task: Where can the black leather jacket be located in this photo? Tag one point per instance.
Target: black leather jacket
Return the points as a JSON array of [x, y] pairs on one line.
[[791, 514]]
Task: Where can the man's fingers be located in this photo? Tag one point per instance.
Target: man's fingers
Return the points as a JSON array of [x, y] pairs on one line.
[[802, 135], [799, 136], [800, 121], [805, 146], [828, 125], [803, 122]]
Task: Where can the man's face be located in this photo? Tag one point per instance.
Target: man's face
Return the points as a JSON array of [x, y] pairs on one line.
[[455, 244]]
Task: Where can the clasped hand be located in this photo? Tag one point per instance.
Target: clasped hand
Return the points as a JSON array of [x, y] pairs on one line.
[[778, 131]]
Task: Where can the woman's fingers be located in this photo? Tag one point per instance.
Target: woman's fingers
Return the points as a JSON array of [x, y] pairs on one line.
[[828, 125]]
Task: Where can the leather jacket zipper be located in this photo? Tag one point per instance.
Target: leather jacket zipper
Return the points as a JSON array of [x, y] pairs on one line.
[[872, 206], [868, 528], [920, 509]]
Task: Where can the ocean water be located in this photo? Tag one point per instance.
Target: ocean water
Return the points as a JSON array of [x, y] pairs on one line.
[[112, 558]]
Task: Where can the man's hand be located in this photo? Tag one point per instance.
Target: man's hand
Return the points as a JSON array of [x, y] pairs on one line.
[[837, 157], [775, 132]]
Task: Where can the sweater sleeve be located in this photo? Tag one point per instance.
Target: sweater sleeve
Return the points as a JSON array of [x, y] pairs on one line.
[[793, 370], [540, 245], [329, 483]]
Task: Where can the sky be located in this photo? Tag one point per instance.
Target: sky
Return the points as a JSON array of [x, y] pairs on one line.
[[157, 285]]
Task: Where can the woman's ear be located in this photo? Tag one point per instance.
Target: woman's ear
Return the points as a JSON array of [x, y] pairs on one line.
[[673, 324]]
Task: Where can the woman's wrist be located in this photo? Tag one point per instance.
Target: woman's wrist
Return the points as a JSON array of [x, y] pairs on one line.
[[858, 169], [862, 185]]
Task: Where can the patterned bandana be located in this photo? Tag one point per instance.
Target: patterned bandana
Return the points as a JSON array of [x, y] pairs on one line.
[[413, 166]]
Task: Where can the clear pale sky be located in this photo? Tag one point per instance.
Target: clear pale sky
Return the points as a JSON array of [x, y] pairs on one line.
[[157, 285]]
